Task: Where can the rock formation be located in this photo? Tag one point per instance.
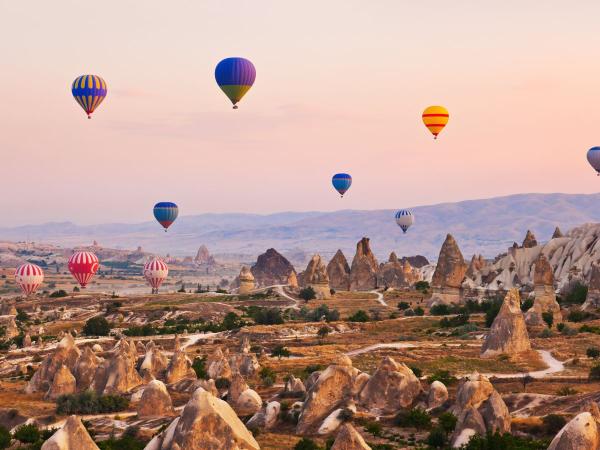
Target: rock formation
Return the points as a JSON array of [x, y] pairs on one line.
[[266, 418], [85, 369], [117, 375], [332, 390], [155, 362], [8, 308], [10, 326], [203, 257], [477, 263], [316, 277], [438, 394], [545, 299], [593, 296], [246, 281], [155, 401], [179, 367], [449, 273], [63, 383], [71, 436], [205, 422], [508, 333], [66, 354], [338, 271], [396, 273], [349, 439], [557, 233], [244, 363], [248, 403], [393, 386], [581, 433], [479, 409], [271, 268], [292, 280], [294, 387], [529, 241], [363, 273], [218, 366]]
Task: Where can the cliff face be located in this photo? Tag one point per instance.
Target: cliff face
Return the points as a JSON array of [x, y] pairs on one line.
[[363, 273], [271, 268]]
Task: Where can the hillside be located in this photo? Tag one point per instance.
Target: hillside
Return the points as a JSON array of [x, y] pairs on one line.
[[486, 226]]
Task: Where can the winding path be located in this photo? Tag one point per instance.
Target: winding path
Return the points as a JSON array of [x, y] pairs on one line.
[[379, 297]]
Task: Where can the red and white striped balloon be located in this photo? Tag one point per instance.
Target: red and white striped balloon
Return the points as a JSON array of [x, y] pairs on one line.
[[83, 266], [155, 272], [29, 277]]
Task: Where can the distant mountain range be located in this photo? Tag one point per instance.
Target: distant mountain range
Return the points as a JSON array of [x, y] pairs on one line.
[[485, 226]]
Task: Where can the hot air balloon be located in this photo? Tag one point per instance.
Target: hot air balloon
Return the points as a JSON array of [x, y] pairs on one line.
[[155, 272], [593, 157], [29, 277], [166, 213], [435, 119], [83, 266], [341, 182], [404, 219], [89, 91], [235, 76]]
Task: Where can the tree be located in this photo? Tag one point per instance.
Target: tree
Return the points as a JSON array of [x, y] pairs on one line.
[[27, 434], [553, 423], [419, 311], [594, 373], [323, 332], [359, 316], [96, 326], [22, 316], [548, 317], [308, 293], [592, 352], [306, 444], [447, 421], [199, 366], [281, 352], [182, 288], [231, 321], [437, 438], [5, 437]]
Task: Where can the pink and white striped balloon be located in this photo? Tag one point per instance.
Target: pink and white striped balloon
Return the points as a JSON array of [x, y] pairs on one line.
[[83, 266], [29, 277], [155, 272]]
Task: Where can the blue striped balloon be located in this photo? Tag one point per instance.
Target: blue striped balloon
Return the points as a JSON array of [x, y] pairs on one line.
[[89, 91], [593, 157], [404, 219], [235, 77], [166, 213], [341, 182]]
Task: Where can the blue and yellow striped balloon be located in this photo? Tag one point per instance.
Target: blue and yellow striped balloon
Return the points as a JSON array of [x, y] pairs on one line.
[[235, 77], [89, 91]]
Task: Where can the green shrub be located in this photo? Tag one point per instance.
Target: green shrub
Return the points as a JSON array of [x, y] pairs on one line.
[[421, 285], [281, 352], [96, 326], [59, 293], [27, 434], [577, 316], [594, 374], [267, 316], [89, 402], [5, 437], [359, 316], [456, 321], [222, 383], [306, 444], [503, 442], [414, 418], [447, 421], [419, 311], [526, 304], [417, 371], [492, 312], [592, 352], [440, 310], [437, 438], [548, 317], [373, 428], [553, 423], [566, 390], [568, 331], [403, 306], [22, 316], [442, 376], [199, 366], [308, 293], [574, 293], [128, 441]]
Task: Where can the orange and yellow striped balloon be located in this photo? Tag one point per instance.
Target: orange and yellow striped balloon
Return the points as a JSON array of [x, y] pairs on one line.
[[435, 119]]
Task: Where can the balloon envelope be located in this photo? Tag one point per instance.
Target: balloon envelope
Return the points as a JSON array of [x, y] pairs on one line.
[[29, 277], [235, 77], [435, 119], [593, 157], [341, 182], [404, 219], [89, 91], [155, 272], [83, 266], [166, 213]]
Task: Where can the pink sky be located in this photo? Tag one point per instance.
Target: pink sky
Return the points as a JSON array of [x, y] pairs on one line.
[[340, 87]]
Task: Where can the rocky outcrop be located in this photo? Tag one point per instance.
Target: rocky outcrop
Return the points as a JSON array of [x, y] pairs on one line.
[[66, 354], [557, 233], [271, 268], [363, 272], [349, 439], [246, 281], [438, 395], [332, 390], [294, 387], [245, 363], [316, 277], [248, 403], [10, 326], [71, 436], [545, 298], [529, 241], [266, 418], [85, 368], [117, 375], [63, 383], [593, 296], [396, 274], [393, 386], [479, 409], [8, 308], [218, 366], [179, 367], [508, 333], [449, 273], [338, 271], [292, 280], [155, 362], [155, 401], [203, 256], [206, 422], [581, 433], [476, 265]]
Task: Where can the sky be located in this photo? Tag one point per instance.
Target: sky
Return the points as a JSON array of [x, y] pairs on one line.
[[340, 87]]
